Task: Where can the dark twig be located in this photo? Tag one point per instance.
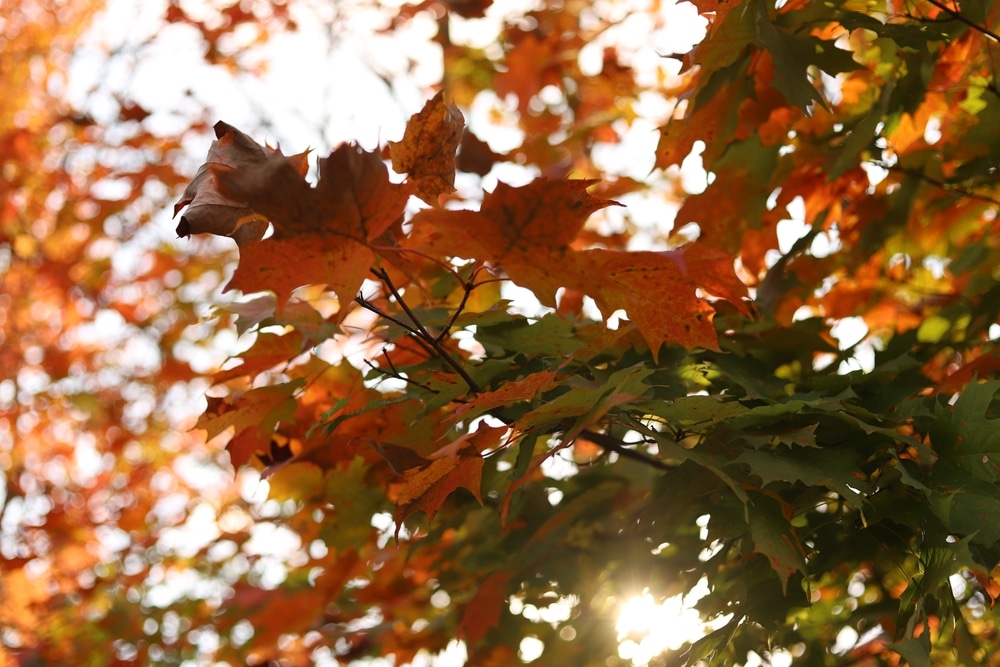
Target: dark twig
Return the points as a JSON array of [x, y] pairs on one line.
[[422, 334], [433, 343], [369, 306], [621, 448], [394, 373], [468, 286], [958, 17], [947, 187]]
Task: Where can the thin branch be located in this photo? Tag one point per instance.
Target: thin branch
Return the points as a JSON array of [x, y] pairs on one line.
[[425, 336], [468, 286], [958, 17], [947, 187], [369, 306], [420, 333], [394, 373], [621, 448]]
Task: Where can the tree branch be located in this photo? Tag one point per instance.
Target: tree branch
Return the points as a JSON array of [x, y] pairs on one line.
[[958, 17], [610, 443], [944, 185], [433, 343], [421, 333]]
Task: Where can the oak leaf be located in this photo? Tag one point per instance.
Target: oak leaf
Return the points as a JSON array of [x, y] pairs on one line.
[[427, 150]]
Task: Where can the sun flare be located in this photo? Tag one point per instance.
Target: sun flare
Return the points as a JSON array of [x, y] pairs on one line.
[[647, 628]]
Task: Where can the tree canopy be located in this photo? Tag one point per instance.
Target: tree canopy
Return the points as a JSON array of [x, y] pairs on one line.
[[498, 388]]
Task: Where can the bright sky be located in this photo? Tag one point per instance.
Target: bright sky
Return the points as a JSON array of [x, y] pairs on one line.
[[317, 88]]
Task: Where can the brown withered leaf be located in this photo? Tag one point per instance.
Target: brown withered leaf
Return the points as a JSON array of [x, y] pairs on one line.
[[210, 211], [353, 197], [475, 156], [322, 233], [427, 151]]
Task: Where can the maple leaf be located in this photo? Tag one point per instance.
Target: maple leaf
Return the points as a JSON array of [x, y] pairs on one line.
[[528, 232], [427, 150], [658, 290], [210, 210], [252, 416], [425, 488], [511, 392], [323, 234], [484, 609], [525, 230]]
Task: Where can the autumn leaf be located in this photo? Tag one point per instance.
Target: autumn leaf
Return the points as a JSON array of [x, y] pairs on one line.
[[323, 234], [525, 230], [427, 150], [425, 489], [511, 392], [352, 198], [484, 609], [252, 416], [210, 210], [529, 230], [282, 265], [459, 465]]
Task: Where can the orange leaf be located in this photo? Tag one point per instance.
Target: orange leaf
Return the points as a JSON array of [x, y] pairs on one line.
[[484, 609], [425, 489], [427, 151], [510, 392], [283, 265], [528, 231], [252, 416]]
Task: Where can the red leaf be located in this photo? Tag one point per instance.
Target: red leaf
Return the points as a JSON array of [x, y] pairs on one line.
[[484, 609]]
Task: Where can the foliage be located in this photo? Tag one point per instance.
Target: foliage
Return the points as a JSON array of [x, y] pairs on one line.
[[672, 414]]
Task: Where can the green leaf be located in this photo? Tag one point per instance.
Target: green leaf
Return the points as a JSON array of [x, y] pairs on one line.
[[354, 501], [590, 402], [964, 504], [793, 54], [689, 411], [916, 652], [551, 335], [774, 537], [831, 468], [965, 438]]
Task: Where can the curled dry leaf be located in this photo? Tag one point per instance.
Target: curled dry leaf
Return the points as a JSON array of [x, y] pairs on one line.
[[427, 151], [210, 210]]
